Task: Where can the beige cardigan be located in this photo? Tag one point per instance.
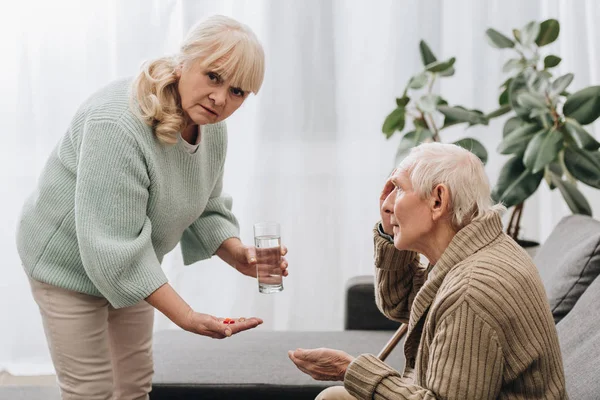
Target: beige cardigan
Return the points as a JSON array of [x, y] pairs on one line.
[[479, 325]]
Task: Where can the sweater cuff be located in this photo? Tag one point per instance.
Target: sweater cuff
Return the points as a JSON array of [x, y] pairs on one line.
[[383, 234], [388, 257], [205, 244], [364, 374]]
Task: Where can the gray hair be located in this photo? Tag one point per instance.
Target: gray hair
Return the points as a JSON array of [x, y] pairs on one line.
[[430, 164]]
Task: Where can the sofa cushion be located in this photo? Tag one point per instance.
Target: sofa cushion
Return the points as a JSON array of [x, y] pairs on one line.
[[569, 261], [250, 365], [579, 336], [361, 311]]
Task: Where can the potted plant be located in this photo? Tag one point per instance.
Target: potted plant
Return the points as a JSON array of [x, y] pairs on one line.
[[546, 135], [427, 113]]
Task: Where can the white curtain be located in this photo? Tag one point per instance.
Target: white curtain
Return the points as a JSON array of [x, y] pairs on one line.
[[307, 151]]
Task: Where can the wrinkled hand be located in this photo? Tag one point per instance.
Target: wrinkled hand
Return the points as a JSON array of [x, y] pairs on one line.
[[208, 325], [386, 215], [322, 364], [245, 261]]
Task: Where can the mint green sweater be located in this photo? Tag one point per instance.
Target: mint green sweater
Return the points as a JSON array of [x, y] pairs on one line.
[[112, 201]]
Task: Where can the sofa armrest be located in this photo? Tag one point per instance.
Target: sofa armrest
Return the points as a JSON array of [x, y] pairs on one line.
[[361, 312]]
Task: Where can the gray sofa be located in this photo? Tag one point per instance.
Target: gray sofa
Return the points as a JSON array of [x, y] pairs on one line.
[[254, 365]]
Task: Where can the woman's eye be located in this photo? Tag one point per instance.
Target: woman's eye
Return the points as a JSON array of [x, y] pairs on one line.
[[213, 77], [238, 92]]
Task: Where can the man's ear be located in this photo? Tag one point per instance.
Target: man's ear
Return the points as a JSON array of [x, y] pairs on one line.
[[440, 201]]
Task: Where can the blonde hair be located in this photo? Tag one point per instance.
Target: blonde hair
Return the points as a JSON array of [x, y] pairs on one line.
[[430, 164], [219, 43]]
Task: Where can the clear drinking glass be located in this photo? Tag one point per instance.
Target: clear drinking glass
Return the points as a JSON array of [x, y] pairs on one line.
[[267, 239]]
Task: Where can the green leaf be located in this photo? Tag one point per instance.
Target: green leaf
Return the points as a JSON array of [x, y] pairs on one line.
[[426, 54], [531, 101], [541, 81], [402, 101], [583, 165], [460, 114], [553, 167], [482, 120], [542, 149], [551, 61], [474, 147], [394, 121], [504, 98], [517, 141], [560, 84], [501, 111], [418, 81], [513, 64], [573, 197], [529, 33], [556, 169], [448, 72], [518, 86], [440, 66], [428, 102], [419, 123], [580, 136], [517, 35], [584, 105], [549, 30], [498, 40], [511, 124], [506, 83], [515, 183], [410, 140]]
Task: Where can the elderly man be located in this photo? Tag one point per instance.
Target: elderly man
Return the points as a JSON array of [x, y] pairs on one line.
[[479, 325]]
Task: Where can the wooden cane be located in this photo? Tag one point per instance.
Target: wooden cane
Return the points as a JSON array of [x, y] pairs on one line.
[[393, 342]]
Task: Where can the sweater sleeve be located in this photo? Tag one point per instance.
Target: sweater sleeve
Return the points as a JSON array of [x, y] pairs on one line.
[[398, 275], [217, 223], [465, 362], [113, 230]]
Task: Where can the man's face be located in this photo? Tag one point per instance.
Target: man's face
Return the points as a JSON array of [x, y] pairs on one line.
[[411, 215], [206, 98]]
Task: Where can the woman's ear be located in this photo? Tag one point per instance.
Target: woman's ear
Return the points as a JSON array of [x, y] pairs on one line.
[[177, 71], [440, 201]]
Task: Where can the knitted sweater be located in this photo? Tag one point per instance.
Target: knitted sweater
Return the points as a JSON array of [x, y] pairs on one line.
[[479, 324], [112, 201]]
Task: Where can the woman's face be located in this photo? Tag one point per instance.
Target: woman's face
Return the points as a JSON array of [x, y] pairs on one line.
[[206, 98]]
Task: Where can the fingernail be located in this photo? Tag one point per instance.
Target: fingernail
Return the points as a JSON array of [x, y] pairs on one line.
[[252, 259], [227, 332]]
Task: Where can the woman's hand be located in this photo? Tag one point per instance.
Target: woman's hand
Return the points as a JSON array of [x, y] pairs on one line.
[[243, 258], [208, 325], [322, 364], [246, 261], [386, 214]]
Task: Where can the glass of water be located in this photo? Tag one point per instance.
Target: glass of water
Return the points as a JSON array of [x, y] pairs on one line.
[[267, 239]]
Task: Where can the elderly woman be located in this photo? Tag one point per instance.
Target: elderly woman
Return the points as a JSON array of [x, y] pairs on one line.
[[479, 325], [139, 170]]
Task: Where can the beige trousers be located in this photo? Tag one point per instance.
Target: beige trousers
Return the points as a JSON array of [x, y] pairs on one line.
[[335, 393], [98, 352]]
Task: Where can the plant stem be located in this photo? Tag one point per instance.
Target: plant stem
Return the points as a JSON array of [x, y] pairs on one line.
[[430, 87], [553, 112], [431, 126], [513, 227], [561, 159], [428, 118], [518, 223]]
